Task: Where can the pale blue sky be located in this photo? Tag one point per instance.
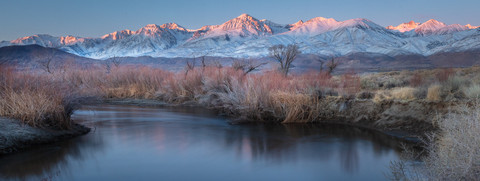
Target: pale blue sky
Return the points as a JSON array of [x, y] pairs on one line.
[[93, 18]]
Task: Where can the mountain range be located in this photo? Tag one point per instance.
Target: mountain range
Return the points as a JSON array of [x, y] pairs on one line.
[[246, 36]]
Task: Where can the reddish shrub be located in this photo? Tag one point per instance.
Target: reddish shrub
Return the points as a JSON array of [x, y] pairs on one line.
[[443, 74], [349, 84], [416, 80]]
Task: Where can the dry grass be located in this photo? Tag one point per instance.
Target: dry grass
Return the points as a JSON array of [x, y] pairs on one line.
[[231, 90], [416, 80], [452, 153], [455, 154], [404, 93], [473, 91], [296, 107], [48, 100], [399, 93], [434, 93], [35, 100], [269, 96]]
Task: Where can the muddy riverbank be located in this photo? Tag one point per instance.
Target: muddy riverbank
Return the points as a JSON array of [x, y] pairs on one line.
[[15, 136]]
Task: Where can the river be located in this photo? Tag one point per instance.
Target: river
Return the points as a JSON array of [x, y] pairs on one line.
[[189, 143]]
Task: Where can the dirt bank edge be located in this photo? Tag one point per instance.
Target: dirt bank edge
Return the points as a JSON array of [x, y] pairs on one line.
[[15, 136]]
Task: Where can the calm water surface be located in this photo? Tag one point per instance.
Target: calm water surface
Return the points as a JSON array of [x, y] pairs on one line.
[[138, 143]]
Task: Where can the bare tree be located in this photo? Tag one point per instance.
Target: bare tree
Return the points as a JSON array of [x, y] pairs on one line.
[[246, 66], [204, 64], [320, 60], [116, 61], [217, 64], [239, 64], [46, 62], [110, 63], [332, 65], [65, 66], [190, 65], [107, 65], [284, 55]]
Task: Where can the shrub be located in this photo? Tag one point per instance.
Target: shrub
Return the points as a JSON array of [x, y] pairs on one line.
[[404, 93], [452, 153], [368, 84], [365, 95], [382, 95], [442, 75], [295, 108], [473, 92], [454, 83], [349, 84], [36, 101], [416, 80], [421, 92], [434, 92]]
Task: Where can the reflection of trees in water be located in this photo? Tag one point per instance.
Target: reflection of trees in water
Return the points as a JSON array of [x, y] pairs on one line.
[[274, 144], [282, 143], [46, 162]]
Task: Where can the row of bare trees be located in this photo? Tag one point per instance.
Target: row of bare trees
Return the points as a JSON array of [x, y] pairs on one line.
[[285, 55], [331, 65], [47, 62]]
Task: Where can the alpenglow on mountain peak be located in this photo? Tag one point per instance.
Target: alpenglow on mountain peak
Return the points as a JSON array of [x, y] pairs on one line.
[[247, 36], [430, 27]]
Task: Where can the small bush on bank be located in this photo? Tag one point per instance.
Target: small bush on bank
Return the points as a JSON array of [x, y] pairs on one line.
[[416, 80], [452, 153], [434, 92], [454, 83], [443, 75], [473, 91], [404, 93], [365, 95], [36, 101]]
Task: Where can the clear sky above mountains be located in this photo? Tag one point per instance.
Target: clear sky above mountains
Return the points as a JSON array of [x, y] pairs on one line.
[[93, 18]]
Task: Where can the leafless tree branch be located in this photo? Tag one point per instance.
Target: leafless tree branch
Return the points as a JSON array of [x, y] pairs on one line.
[[284, 55]]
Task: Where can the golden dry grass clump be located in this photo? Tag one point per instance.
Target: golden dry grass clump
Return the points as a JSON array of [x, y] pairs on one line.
[[434, 92]]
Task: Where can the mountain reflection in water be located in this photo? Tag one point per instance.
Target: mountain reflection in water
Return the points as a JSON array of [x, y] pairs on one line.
[[187, 143]]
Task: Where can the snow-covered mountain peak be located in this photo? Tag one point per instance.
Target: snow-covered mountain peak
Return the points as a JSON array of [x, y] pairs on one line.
[[247, 36], [67, 40], [469, 26], [404, 27], [435, 27], [243, 25], [154, 30], [39, 39], [33, 37], [432, 24], [430, 27], [243, 21], [295, 25], [245, 16], [173, 26], [360, 23], [314, 26], [325, 21], [118, 35], [149, 29]]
